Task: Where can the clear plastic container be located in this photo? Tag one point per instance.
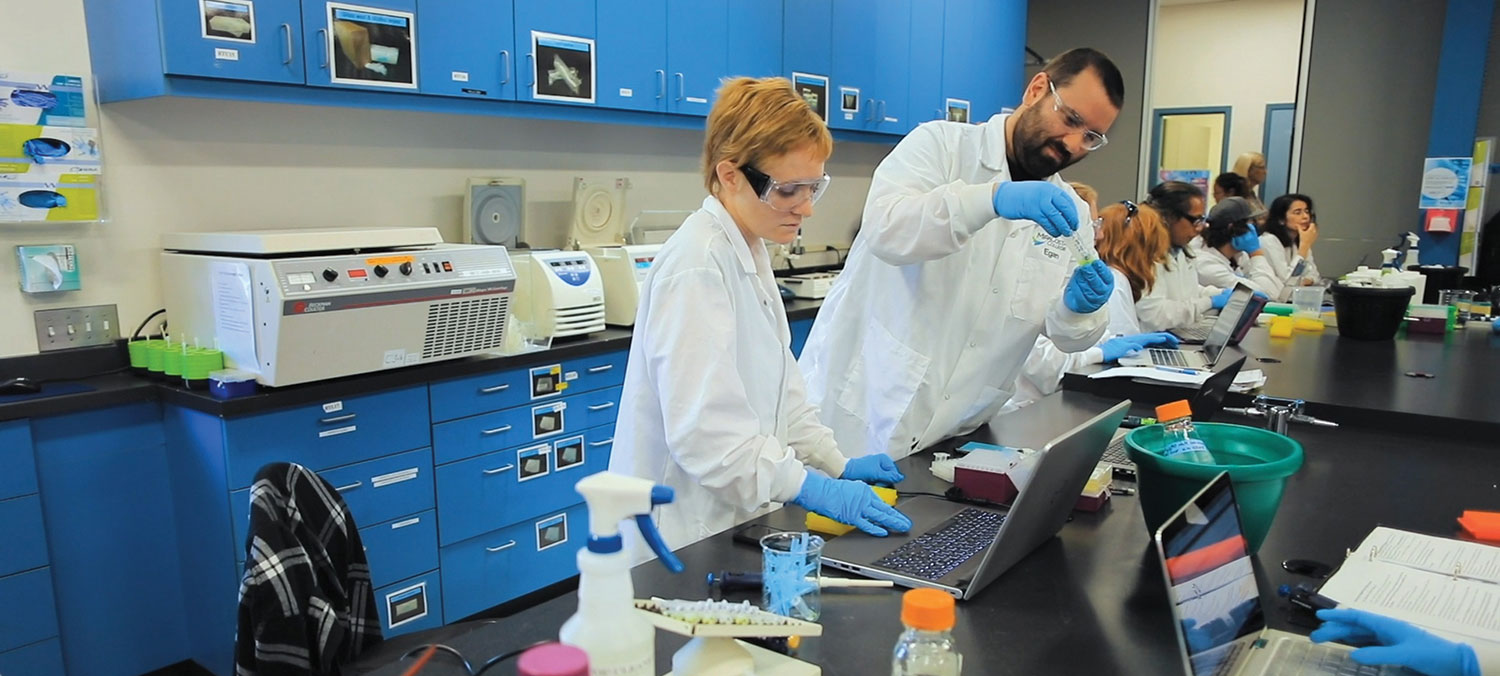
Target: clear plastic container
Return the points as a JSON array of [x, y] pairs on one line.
[[926, 648], [1182, 443]]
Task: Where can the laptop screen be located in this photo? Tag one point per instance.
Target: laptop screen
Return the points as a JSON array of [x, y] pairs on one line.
[[1229, 319], [1214, 594]]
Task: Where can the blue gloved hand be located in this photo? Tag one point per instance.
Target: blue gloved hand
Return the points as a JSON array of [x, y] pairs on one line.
[[850, 502], [1114, 348], [1046, 204], [876, 468], [1247, 243], [1400, 643], [1089, 288], [1222, 299]]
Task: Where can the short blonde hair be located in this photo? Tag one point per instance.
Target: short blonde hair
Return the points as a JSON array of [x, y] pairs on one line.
[[755, 119], [1246, 160]]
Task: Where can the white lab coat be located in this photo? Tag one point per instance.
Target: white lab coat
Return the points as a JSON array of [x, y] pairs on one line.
[[1043, 372], [923, 334], [1284, 259], [714, 405], [1176, 300], [1252, 271]]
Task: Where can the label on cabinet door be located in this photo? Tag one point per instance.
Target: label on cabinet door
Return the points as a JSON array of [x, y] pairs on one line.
[[460, 76], [226, 54], [626, 92], [333, 407]]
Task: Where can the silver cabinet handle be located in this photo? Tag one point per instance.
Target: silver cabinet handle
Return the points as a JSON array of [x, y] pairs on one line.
[[323, 45], [286, 29], [337, 419], [601, 407], [350, 487], [661, 84], [503, 547], [681, 86], [530, 69], [870, 113], [492, 390], [505, 67], [409, 522], [498, 470], [882, 112], [606, 367], [606, 442], [497, 430]]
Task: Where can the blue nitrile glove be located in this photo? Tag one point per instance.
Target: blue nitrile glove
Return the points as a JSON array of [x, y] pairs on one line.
[[1399, 643], [1222, 299], [876, 468], [1089, 288], [1046, 204], [850, 502], [1247, 243], [1114, 348]]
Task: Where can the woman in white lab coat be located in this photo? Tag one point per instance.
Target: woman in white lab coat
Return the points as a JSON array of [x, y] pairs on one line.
[[713, 405], [1291, 229], [1231, 252]]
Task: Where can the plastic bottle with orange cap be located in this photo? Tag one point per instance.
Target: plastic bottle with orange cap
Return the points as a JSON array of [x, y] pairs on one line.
[[926, 648], [1179, 441]]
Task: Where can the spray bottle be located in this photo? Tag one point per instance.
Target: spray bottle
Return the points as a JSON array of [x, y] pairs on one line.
[[1388, 261], [618, 640], [1412, 257]]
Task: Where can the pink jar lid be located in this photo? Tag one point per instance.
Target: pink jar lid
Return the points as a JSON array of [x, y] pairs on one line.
[[553, 659]]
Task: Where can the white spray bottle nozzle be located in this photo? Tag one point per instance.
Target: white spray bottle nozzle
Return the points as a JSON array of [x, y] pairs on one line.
[[1388, 257], [612, 498]]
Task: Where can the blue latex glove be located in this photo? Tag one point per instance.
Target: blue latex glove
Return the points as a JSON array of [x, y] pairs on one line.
[[1495, 326], [876, 468], [1046, 204], [1399, 643], [850, 502], [1114, 348], [1247, 243], [1089, 288], [1222, 299]]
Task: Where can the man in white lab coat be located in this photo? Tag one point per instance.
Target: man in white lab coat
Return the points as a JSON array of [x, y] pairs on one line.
[[961, 261]]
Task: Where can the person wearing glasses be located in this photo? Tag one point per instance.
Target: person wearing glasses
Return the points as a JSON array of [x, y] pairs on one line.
[[713, 404], [963, 258], [1176, 299], [1291, 229]]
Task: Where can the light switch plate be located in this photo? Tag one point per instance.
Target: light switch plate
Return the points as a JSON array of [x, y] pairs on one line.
[[66, 328]]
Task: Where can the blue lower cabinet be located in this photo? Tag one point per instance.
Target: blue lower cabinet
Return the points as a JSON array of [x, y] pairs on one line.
[[467, 437], [43, 658], [600, 407], [17, 462], [402, 548], [480, 494], [23, 538], [485, 571], [30, 613], [800, 328], [410, 605]]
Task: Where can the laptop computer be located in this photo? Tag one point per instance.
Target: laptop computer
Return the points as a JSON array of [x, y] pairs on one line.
[[960, 548], [1206, 403], [1213, 346], [1198, 333], [1215, 598]]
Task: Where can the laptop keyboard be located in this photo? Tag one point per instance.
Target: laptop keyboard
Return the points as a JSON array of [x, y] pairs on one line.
[[1305, 657], [1116, 455], [937, 552], [1162, 357], [1198, 333]]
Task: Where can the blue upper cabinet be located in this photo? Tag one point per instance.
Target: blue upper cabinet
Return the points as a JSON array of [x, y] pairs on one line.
[[754, 45], [468, 48], [371, 44], [633, 55], [806, 51], [983, 46], [924, 94], [852, 96], [893, 24], [557, 41], [232, 40], [697, 53]]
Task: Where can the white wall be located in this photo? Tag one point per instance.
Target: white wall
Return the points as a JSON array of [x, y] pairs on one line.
[[1240, 53], [188, 164]]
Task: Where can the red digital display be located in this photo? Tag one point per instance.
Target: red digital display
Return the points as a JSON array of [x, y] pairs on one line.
[[357, 274]]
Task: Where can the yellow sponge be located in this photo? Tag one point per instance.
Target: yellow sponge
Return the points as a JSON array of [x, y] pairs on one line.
[[818, 523]]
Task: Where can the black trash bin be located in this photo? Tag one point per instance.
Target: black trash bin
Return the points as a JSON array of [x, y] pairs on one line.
[[1370, 313]]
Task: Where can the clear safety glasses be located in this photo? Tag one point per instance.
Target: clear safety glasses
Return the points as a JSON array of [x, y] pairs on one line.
[[784, 196], [1092, 140]]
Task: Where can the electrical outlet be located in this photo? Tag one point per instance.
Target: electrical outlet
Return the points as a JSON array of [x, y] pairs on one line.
[[65, 328]]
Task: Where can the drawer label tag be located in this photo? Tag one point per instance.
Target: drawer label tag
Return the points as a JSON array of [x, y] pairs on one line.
[[333, 407], [551, 532], [337, 431]]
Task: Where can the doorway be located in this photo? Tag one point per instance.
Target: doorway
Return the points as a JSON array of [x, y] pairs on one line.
[[1277, 147], [1191, 143]]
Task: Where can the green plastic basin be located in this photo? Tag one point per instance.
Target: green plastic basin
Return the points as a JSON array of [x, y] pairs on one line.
[[1258, 462]]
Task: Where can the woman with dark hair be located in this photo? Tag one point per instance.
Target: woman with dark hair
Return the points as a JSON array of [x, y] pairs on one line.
[[1232, 252], [1290, 231], [1177, 300], [1230, 184]]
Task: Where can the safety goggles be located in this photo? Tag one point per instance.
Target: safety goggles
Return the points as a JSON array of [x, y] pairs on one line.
[[784, 196]]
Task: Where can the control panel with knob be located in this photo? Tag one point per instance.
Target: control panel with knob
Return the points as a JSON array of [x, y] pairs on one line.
[[406, 268], [381, 271], [330, 274]]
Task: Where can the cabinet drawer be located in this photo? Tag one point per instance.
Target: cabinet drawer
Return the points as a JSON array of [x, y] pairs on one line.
[[402, 548], [30, 611], [468, 437], [330, 434], [582, 374], [488, 570], [375, 491], [410, 605], [480, 494], [17, 464], [463, 397], [23, 538], [599, 407], [37, 659]]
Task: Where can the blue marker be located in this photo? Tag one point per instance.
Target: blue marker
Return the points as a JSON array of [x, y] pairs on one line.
[[1169, 369]]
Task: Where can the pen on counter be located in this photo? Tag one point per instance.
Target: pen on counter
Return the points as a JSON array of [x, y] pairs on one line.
[[1169, 369], [729, 581], [1122, 490]]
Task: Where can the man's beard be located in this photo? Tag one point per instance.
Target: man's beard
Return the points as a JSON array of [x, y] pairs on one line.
[[1030, 142]]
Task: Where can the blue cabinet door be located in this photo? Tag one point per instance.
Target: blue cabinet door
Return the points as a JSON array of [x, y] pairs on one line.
[[410, 605], [382, 34], [23, 535], [984, 42], [37, 659], [852, 96], [799, 328], [697, 31], [924, 94], [567, 69], [806, 50], [633, 55], [468, 48], [893, 25], [30, 612], [235, 40], [754, 46], [17, 463]]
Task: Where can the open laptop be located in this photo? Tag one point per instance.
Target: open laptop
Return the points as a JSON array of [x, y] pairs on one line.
[[960, 548], [1198, 333], [1215, 598], [1213, 346], [1206, 403]]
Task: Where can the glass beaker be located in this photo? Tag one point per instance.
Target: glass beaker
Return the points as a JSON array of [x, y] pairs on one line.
[[790, 581], [1307, 302]]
